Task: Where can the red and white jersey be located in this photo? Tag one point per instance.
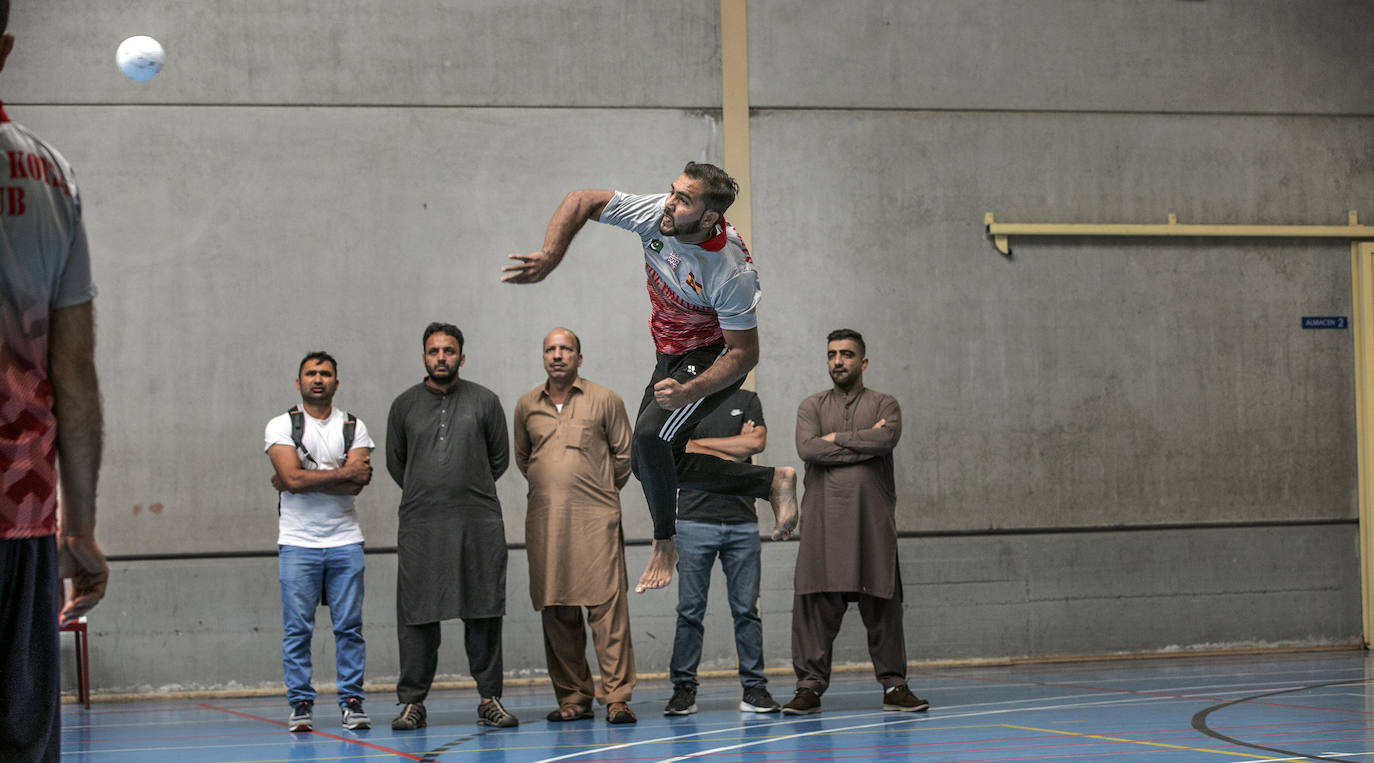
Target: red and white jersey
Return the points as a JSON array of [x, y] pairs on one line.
[[695, 290], [44, 265]]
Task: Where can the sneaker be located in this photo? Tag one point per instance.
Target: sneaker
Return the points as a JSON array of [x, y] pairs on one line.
[[900, 698], [758, 700], [684, 701], [301, 716], [412, 717], [491, 713], [354, 716], [619, 712], [807, 702]]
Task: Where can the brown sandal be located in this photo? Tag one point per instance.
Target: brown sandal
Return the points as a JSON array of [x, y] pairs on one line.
[[619, 712], [569, 712]]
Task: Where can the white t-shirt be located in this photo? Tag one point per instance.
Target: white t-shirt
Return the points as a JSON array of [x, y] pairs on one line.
[[318, 520], [695, 290]]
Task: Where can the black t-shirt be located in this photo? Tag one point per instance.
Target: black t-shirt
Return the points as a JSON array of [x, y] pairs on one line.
[[725, 421]]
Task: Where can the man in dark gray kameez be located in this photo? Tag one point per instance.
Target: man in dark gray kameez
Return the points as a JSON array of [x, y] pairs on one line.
[[848, 551], [446, 446]]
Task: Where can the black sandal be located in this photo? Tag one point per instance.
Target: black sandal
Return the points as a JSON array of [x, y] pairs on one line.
[[581, 713]]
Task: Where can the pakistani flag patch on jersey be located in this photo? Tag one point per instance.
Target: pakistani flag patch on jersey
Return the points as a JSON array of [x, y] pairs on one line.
[[656, 245]]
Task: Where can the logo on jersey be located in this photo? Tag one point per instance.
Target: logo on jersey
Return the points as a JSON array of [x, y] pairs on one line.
[[673, 260], [692, 282], [656, 245], [692, 370], [736, 412]]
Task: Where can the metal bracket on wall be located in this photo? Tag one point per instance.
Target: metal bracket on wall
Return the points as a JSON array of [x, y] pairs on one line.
[[1001, 231]]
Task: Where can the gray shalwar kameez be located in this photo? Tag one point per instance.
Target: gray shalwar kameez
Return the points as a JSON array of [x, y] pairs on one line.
[[446, 450]]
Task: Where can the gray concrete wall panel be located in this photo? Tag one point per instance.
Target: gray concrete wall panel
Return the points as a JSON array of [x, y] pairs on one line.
[[602, 53], [348, 230], [215, 624], [1266, 56], [1083, 382]]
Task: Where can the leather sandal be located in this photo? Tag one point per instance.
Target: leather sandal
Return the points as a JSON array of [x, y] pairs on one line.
[[569, 712], [619, 712]]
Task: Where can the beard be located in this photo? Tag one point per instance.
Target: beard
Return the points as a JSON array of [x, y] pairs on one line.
[[441, 376], [671, 226]]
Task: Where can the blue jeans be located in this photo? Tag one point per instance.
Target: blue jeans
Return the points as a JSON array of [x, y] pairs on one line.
[[698, 544], [305, 574]]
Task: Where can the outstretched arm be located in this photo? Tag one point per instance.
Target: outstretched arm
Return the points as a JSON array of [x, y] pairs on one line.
[[80, 430], [577, 208]]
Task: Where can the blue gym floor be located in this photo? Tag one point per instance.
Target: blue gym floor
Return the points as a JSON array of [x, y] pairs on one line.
[[1307, 706]]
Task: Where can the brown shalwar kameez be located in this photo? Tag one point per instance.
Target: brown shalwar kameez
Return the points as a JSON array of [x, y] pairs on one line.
[[576, 460], [848, 533]]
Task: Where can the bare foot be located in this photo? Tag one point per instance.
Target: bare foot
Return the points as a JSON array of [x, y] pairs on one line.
[[783, 496], [659, 571]]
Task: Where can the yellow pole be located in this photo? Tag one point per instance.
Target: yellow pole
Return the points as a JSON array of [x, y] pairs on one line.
[[734, 91]]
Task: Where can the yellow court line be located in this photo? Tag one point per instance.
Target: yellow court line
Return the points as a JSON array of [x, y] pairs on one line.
[[1136, 741]]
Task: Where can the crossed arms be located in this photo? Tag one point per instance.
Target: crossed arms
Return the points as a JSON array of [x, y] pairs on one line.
[[349, 479], [832, 448]]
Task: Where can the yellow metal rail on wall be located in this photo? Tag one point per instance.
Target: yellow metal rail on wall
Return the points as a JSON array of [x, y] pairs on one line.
[[1361, 238], [1001, 231]]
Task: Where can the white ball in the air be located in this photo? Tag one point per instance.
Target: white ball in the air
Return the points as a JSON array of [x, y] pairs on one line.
[[140, 58]]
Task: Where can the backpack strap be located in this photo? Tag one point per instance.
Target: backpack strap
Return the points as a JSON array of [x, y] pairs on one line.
[[350, 426], [298, 432]]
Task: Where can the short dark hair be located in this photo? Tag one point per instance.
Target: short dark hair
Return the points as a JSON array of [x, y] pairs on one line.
[[319, 355], [851, 334], [442, 328], [721, 189]]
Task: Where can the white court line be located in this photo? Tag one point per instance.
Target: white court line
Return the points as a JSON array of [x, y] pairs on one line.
[[941, 717]]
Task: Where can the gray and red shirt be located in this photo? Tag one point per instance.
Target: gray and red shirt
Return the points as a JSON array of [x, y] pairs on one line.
[[44, 266], [695, 290]]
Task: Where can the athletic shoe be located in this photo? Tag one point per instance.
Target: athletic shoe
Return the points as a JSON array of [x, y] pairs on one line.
[[806, 702], [619, 712], [301, 716], [492, 714], [354, 716], [684, 701], [412, 717], [758, 700], [900, 698]]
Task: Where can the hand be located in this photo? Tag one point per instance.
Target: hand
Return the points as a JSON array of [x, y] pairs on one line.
[[828, 437], [278, 483], [81, 560], [747, 428], [531, 268], [357, 470], [880, 424], [671, 395]]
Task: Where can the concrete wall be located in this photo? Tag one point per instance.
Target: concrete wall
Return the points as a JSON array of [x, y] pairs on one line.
[[335, 175], [198, 624]]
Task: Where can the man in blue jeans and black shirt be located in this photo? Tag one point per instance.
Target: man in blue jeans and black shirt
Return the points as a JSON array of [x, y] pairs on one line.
[[711, 524]]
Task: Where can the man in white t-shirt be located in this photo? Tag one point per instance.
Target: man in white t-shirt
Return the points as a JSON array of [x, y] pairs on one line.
[[322, 459], [703, 291]]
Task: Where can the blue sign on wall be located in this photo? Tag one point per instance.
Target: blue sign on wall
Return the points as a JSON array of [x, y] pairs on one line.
[[1325, 322]]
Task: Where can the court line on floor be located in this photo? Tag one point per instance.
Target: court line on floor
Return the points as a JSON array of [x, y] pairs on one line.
[[324, 734], [1200, 720], [892, 720], [1131, 741]]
